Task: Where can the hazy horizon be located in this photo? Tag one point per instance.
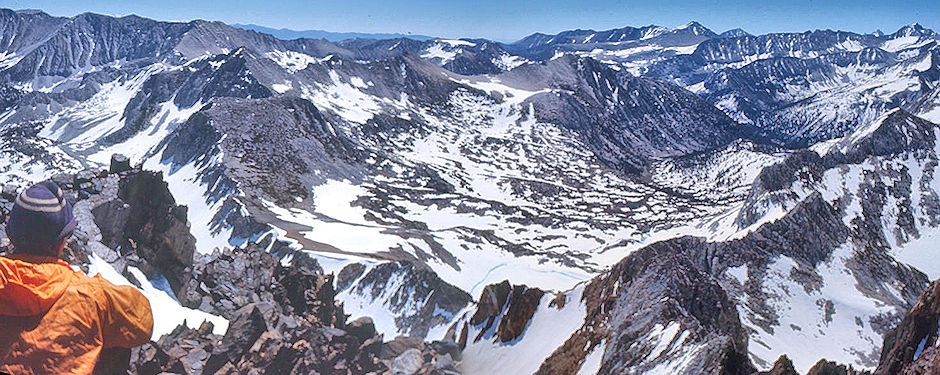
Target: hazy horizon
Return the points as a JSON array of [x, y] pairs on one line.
[[511, 21]]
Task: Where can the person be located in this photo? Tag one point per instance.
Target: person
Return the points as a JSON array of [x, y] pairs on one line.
[[54, 320]]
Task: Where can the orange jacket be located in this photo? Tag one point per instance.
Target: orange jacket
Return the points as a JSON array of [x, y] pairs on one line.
[[54, 320]]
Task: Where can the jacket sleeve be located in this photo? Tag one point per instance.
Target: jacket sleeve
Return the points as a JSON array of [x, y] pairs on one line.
[[127, 321]]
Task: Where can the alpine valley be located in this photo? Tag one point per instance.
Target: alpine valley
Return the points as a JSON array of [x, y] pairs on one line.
[[640, 200]]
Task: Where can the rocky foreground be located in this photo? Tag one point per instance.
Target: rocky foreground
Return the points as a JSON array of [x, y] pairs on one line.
[[282, 315], [283, 319]]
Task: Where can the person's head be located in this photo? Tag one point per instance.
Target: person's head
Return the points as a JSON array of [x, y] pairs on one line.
[[41, 220]]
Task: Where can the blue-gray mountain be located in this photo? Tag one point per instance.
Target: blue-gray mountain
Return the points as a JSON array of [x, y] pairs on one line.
[[288, 34]]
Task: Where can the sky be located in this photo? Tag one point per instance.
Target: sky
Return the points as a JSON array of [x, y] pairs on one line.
[[511, 20]]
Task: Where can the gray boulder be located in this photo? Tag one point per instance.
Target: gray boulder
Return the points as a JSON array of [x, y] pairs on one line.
[[408, 363]]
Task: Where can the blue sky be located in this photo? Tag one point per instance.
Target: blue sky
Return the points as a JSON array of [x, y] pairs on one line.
[[511, 20]]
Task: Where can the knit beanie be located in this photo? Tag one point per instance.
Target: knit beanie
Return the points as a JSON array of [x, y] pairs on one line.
[[40, 218]]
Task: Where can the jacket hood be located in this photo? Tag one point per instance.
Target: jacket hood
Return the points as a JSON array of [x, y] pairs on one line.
[[31, 288]]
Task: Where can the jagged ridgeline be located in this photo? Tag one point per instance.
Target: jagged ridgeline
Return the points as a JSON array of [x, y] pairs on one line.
[[637, 200]]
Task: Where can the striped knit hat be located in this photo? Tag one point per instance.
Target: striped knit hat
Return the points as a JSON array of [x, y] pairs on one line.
[[40, 218]]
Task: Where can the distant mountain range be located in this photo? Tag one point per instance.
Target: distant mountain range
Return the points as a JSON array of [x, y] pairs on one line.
[[288, 34]]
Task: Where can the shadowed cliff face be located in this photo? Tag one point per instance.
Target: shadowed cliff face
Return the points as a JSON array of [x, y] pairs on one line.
[[506, 309], [143, 219], [911, 347], [126, 217]]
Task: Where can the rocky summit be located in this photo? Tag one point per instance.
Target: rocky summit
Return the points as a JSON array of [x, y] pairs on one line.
[[663, 200]]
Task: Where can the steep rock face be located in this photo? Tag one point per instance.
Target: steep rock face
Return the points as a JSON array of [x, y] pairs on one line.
[[145, 220], [23, 29], [926, 363], [758, 93], [491, 304], [783, 366], [759, 86], [772, 183], [895, 134], [885, 203], [911, 348], [506, 309], [929, 105]]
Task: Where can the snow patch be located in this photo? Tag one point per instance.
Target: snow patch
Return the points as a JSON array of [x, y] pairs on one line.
[[592, 362], [291, 61], [167, 311]]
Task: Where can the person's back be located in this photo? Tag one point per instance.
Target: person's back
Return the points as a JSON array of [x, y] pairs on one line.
[[54, 319]]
